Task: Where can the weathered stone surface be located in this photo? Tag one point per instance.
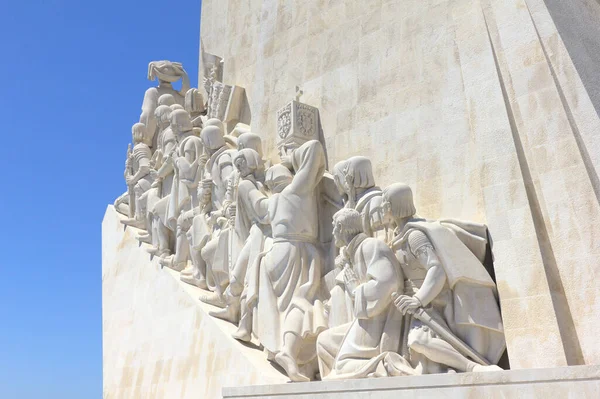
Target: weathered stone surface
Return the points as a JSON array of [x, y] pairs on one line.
[[158, 339], [476, 105], [561, 382]]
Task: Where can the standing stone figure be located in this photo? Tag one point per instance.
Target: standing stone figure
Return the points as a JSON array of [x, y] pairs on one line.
[[444, 282], [188, 169], [243, 238], [368, 345], [162, 114], [290, 272], [137, 175], [245, 276], [206, 225], [249, 166], [166, 72]]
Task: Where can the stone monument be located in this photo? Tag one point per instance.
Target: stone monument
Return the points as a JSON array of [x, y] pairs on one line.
[[451, 250]]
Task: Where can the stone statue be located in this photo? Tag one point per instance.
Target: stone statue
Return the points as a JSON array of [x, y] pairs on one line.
[[366, 346], [162, 115], [290, 272], [137, 176], [355, 182], [209, 221], [244, 240], [249, 165], [163, 211], [188, 168], [260, 242], [451, 314], [166, 72], [251, 200]]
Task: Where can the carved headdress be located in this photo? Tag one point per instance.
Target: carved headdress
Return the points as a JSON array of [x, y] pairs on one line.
[[352, 174], [168, 71], [400, 197]]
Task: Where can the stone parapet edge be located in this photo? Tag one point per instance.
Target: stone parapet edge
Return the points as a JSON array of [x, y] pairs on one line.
[[507, 377]]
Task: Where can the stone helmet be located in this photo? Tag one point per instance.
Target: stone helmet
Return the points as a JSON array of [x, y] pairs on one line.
[[215, 122], [180, 119], [250, 140], [212, 137], [166, 99]]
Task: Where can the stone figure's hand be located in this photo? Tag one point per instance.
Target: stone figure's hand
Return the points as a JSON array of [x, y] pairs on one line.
[[214, 216], [202, 160], [153, 174], [207, 185], [406, 304], [350, 280], [286, 160], [340, 262], [157, 182], [231, 210], [129, 180]]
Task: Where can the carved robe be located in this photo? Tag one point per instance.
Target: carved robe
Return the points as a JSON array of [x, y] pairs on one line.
[[290, 272], [367, 346], [467, 304]]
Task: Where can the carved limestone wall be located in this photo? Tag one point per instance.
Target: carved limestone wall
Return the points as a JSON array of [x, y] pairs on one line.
[[476, 105]]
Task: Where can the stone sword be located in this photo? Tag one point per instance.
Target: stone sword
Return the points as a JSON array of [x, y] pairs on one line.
[[448, 336]]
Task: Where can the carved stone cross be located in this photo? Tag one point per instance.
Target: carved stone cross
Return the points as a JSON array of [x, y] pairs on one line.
[[299, 93]]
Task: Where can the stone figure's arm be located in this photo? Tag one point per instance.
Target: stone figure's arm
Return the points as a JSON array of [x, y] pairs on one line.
[[143, 157], [165, 169], [309, 163], [435, 279], [255, 200], [148, 106], [167, 166], [374, 296]]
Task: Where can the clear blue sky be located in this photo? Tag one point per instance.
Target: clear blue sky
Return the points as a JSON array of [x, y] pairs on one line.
[[74, 75]]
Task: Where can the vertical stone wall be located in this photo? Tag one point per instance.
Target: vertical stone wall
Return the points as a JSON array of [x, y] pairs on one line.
[[476, 104], [578, 22]]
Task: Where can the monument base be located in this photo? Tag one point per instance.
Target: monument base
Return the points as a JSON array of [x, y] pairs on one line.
[[158, 339], [563, 382]]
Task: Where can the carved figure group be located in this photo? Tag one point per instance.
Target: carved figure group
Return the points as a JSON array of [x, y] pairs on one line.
[[331, 275]]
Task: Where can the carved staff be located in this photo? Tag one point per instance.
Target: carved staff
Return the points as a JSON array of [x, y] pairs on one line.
[[129, 172], [234, 182], [448, 336]]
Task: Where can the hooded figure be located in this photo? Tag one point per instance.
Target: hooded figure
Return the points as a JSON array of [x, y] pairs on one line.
[[290, 272], [356, 183]]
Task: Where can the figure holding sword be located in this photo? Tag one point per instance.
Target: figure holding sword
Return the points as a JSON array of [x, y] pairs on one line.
[[451, 317]]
